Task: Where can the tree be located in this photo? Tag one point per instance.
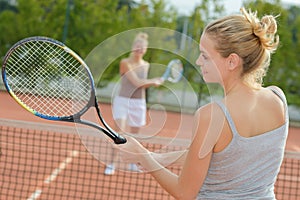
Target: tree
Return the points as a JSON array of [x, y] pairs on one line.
[[5, 5], [284, 69], [129, 4], [92, 22]]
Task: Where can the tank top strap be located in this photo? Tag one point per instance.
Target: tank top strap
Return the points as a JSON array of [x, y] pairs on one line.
[[283, 98], [228, 116], [279, 94]]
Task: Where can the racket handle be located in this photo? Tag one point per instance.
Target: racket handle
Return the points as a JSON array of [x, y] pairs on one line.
[[166, 74], [117, 138], [120, 140]]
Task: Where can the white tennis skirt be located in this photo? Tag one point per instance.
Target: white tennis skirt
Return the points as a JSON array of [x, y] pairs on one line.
[[133, 110]]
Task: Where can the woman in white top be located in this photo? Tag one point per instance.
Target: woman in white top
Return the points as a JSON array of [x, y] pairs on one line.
[[129, 106], [238, 142]]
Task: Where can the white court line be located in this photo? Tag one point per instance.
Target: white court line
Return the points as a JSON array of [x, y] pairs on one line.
[[37, 193]]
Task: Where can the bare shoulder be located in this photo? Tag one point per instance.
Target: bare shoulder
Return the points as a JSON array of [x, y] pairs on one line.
[[124, 65], [124, 61], [146, 63], [208, 113], [210, 124], [272, 104], [274, 99], [277, 89]]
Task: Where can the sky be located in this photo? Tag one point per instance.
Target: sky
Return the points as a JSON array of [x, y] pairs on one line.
[[231, 6]]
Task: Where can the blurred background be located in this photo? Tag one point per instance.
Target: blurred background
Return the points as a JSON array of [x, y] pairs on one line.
[[84, 24], [51, 160]]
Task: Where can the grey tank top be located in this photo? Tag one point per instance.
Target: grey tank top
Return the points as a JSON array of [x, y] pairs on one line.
[[247, 168], [128, 89]]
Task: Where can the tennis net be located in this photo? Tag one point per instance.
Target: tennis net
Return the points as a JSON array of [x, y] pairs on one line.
[[46, 161]]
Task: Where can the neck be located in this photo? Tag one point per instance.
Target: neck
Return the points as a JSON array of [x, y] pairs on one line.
[[135, 58], [233, 86]]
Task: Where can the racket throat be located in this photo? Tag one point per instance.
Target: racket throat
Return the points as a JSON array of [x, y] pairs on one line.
[[118, 139]]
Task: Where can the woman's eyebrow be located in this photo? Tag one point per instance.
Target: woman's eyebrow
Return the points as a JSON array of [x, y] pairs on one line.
[[202, 49]]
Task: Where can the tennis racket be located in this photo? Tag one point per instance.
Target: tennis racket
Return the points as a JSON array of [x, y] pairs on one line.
[[174, 71], [52, 82]]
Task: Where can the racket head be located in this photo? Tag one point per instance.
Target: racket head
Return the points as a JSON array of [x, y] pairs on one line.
[[174, 71], [48, 79]]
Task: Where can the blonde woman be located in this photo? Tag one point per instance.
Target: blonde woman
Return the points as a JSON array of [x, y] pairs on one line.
[[239, 141], [129, 106]]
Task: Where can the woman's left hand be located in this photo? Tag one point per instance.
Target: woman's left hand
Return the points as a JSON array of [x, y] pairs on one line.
[[132, 151]]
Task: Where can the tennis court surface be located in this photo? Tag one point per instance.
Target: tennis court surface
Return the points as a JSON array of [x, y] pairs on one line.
[[41, 160]]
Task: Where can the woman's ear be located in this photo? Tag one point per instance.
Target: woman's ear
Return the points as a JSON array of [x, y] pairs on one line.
[[233, 61]]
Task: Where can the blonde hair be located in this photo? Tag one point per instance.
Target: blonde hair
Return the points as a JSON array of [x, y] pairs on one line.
[[249, 37], [141, 37]]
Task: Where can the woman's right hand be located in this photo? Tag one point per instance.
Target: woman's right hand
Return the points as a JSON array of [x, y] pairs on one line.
[[157, 81]]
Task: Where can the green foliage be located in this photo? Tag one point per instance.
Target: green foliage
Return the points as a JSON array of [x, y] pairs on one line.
[[284, 70], [88, 23]]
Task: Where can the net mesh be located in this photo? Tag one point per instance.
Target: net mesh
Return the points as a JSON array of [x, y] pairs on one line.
[[288, 181], [45, 161]]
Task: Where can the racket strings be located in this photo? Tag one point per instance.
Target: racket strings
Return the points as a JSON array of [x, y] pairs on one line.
[[176, 71], [48, 79], [41, 104]]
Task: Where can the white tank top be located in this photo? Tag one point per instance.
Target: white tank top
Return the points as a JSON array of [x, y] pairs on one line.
[[128, 89]]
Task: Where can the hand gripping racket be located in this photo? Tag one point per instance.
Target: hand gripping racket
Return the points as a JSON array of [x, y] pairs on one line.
[[174, 71], [52, 82]]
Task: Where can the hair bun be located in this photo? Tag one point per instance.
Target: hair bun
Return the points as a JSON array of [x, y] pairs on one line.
[[270, 24], [265, 29]]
